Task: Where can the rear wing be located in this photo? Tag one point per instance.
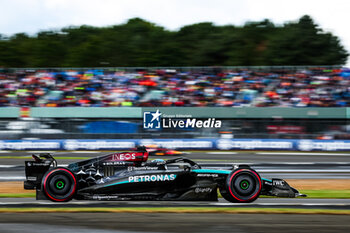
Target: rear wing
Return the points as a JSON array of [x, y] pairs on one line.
[[35, 170]]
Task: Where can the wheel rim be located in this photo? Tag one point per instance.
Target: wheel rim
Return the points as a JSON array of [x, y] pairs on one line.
[[244, 184], [59, 185]]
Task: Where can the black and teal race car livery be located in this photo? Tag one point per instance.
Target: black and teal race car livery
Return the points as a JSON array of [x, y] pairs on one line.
[[129, 176]]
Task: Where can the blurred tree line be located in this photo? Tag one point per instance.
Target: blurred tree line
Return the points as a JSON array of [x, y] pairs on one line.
[[141, 43]]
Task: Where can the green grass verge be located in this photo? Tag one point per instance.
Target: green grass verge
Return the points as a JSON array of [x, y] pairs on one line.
[[228, 210], [324, 193], [16, 195]]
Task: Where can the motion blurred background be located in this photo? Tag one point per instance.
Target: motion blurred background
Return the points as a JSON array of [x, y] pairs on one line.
[[262, 69], [255, 102]]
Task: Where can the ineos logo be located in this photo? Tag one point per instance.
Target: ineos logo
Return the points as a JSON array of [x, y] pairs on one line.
[[124, 156]]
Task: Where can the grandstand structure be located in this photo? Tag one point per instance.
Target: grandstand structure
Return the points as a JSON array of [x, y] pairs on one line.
[[176, 87], [299, 102]]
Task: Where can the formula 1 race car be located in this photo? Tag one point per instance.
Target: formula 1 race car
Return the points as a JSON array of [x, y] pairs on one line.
[[154, 150], [128, 176]]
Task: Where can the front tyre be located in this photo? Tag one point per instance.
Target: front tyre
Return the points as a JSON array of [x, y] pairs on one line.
[[59, 184], [242, 185]]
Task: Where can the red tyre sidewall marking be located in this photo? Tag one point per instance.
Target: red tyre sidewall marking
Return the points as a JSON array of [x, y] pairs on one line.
[[47, 193], [229, 187]]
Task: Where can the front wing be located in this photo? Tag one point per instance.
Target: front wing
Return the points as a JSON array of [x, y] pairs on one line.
[[279, 188]]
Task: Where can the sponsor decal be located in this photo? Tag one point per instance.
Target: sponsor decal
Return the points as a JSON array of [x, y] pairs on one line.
[[29, 145], [203, 190], [305, 145], [104, 197], [152, 178], [284, 129], [278, 182], [31, 178], [113, 163], [153, 120], [226, 144], [308, 145], [96, 145], [179, 143], [207, 175], [142, 168], [123, 156], [36, 164]]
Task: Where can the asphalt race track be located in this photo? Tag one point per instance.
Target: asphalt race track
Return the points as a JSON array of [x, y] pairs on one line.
[[170, 222], [174, 222], [269, 164]]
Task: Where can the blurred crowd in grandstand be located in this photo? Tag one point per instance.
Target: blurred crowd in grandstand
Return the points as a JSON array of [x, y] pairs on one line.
[[313, 87]]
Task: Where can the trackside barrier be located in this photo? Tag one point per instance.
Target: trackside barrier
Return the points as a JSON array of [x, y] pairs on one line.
[[196, 144], [195, 112]]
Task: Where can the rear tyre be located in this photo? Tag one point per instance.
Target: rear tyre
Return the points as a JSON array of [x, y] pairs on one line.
[[242, 185], [59, 184]]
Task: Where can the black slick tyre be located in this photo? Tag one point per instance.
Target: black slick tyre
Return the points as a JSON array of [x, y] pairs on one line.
[[242, 185], [59, 184]]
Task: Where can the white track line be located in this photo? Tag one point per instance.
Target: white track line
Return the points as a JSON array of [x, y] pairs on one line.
[[199, 204], [300, 153], [8, 166], [278, 204], [6, 178], [46, 203]]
